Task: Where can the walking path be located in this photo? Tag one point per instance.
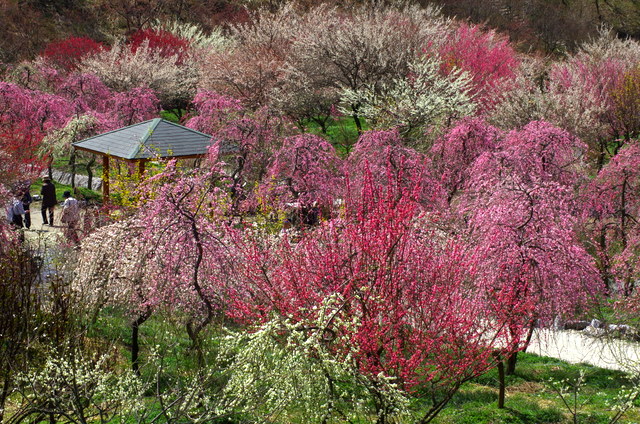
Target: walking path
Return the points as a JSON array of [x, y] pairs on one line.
[[81, 180], [575, 347], [40, 234]]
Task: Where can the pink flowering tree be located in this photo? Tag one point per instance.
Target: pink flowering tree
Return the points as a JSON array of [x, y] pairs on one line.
[[214, 111], [381, 153], [95, 108], [454, 153], [486, 56], [192, 258], [33, 113], [521, 208], [582, 89], [243, 142], [610, 219], [305, 170]]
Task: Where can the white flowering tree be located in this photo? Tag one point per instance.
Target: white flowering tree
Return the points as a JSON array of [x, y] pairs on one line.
[[424, 100]]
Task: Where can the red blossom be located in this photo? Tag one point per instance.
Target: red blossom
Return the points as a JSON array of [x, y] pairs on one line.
[[68, 53]]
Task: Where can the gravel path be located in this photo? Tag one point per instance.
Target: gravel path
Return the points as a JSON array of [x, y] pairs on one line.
[[574, 347]]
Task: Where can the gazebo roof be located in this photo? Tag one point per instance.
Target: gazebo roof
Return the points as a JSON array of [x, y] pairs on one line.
[[156, 138]]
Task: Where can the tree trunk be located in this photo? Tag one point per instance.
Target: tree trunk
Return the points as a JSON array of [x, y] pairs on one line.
[[512, 360], [194, 330], [356, 119], [89, 168], [601, 155], [4, 394], [502, 389], [135, 341], [72, 164]]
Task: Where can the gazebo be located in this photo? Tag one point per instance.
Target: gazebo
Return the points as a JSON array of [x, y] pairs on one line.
[[153, 139]]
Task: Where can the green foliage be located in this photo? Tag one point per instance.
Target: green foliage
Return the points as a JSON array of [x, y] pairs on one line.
[[172, 115], [341, 132]]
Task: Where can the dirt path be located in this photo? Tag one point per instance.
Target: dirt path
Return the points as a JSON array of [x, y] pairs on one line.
[[39, 233], [574, 347]]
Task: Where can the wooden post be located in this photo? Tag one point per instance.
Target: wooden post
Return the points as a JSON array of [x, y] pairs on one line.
[[105, 179]]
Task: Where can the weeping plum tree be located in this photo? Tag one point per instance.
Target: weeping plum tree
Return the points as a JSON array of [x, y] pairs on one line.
[[170, 254], [184, 219], [454, 153], [383, 153], [114, 269], [610, 220], [244, 143], [375, 298], [521, 207], [307, 170]]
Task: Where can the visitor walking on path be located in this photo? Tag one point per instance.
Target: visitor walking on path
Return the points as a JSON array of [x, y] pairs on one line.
[[49, 200], [15, 211], [70, 216]]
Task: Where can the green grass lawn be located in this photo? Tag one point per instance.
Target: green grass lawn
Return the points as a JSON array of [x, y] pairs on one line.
[[341, 132], [530, 399], [82, 193]]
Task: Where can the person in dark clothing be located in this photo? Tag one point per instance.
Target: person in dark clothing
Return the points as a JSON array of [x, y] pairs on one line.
[[26, 204], [49, 200]]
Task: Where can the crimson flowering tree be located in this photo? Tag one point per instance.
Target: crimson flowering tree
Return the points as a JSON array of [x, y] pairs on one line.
[[521, 209], [610, 218], [487, 57], [19, 160], [166, 43], [68, 53], [307, 170], [397, 305], [454, 153]]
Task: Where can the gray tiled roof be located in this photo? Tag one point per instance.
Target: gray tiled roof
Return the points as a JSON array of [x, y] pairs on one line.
[[149, 139]]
